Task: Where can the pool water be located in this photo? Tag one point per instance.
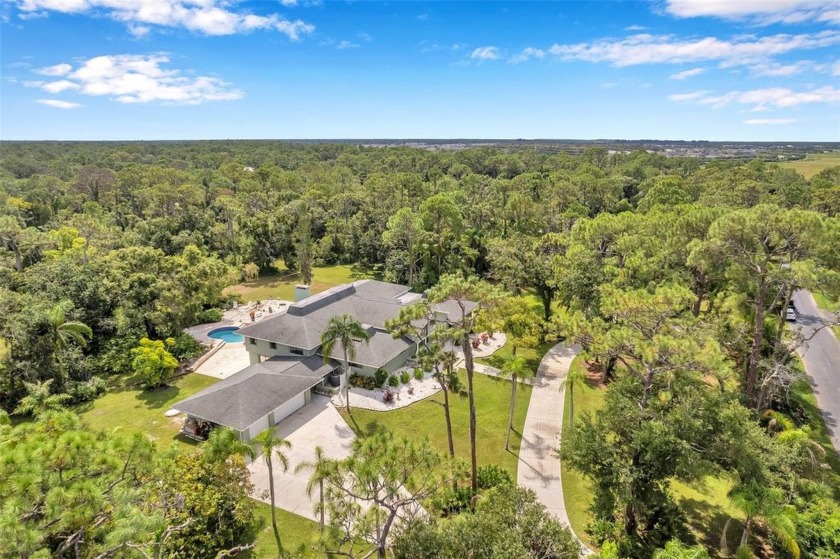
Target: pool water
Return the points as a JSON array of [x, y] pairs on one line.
[[227, 334]]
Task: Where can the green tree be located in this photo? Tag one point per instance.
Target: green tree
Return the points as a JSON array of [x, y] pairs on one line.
[[67, 331], [383, 479], [346, 331], [470, 297], [39, 399], [271, 445], [152, 362], [675, 549], [320, 468], [763, 504], [516, 368]]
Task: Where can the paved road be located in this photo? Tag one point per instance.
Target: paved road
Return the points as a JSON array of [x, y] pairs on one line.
[[821, 356], [539, 465]]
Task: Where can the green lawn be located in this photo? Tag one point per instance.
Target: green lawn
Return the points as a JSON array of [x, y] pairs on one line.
[[297, 534], [425, 419], [129, 406], [803, 396], [814, 163], [282, 285], [829, 305], [704, 502], [577, 490]]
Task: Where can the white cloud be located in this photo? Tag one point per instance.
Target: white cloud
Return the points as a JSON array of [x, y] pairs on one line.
[[835, 69], [346, 45], [769, 121], [209, 17], [289, 3], [527, 54], [57, 70], [687, 74], [365, 37], [58, 104], [129, 78], [680, 97], [773, 98], [485, 53], [776, 70], [666, 49], [759, 11], [636, 28]]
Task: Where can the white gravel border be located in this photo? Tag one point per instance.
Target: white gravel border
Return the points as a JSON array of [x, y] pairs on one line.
[[372, 399]]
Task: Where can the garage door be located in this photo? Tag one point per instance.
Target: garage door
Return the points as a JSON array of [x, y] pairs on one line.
[[290, 407], [258, 427]]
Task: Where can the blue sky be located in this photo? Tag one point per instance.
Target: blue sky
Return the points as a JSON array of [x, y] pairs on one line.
[[196, 69]]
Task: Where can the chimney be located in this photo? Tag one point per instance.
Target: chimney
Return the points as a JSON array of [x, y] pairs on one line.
[[301, 292]]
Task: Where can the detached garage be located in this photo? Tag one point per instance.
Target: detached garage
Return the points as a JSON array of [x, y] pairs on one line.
[[255, 398]]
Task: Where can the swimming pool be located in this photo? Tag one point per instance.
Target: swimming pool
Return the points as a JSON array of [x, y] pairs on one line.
[[227, 334]]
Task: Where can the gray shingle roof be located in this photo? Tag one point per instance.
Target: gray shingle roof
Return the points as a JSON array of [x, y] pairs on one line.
[[249, 395], [371, 302], [382, 347]]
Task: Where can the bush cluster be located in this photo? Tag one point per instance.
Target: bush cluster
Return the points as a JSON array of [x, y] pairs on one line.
[[362, 381], [405, 377]]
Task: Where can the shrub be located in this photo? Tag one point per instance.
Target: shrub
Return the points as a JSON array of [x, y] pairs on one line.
[[405, 377], [250, 271], [85, 391], [410, 390], [210, 315], [388, 396], [393, 381], [362, 381], [418, 374], [491, 475], [185, 346], [380, 377]]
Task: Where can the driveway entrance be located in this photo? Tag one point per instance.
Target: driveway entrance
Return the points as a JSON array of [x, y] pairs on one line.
[[316, 424]]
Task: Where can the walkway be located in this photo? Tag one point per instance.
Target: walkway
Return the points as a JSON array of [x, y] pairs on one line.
[[315, 424], [539, 465]]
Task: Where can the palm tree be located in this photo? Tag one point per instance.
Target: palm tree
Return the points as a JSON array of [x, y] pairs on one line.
[[763, 504], [345, 330], [675, 549], [432, 357], [514, 368], [39, 399], [67, 331], [574, 376], [320, 471], [271, 445], [222, 443]]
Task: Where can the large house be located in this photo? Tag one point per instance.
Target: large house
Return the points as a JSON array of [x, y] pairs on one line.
[[287, 362]]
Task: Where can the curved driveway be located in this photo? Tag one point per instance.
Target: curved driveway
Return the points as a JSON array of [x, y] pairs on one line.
[[539, 464], [821, 356]]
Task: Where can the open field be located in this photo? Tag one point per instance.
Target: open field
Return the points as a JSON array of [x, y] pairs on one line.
[[129, 406], [814, 163], [282, 285], [425, 418]]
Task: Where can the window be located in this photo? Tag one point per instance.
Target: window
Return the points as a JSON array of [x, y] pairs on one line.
[[354, 365], [253, 341], [272, 345], [295, 351]]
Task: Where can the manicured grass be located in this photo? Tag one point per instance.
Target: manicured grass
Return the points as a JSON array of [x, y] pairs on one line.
[[425, 419], [814, 163], [829, 305], [297, 534], [130, 406], [577, 489], [282, 285], [532, 355]]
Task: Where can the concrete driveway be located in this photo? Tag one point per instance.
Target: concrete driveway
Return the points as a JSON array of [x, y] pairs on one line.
[[316, 424]]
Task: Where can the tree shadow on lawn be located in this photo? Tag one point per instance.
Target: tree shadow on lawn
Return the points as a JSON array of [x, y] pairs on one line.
[[706, 523], [156, 398]]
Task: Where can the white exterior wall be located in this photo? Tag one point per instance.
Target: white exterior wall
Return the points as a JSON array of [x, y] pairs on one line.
[[285, 410], [391, 365], [257, 427]]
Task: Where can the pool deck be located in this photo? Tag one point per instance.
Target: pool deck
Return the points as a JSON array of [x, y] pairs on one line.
[[200, 331], [227, 361]]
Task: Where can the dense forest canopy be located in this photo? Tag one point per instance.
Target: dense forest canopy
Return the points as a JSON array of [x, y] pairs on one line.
[[673, 273]]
